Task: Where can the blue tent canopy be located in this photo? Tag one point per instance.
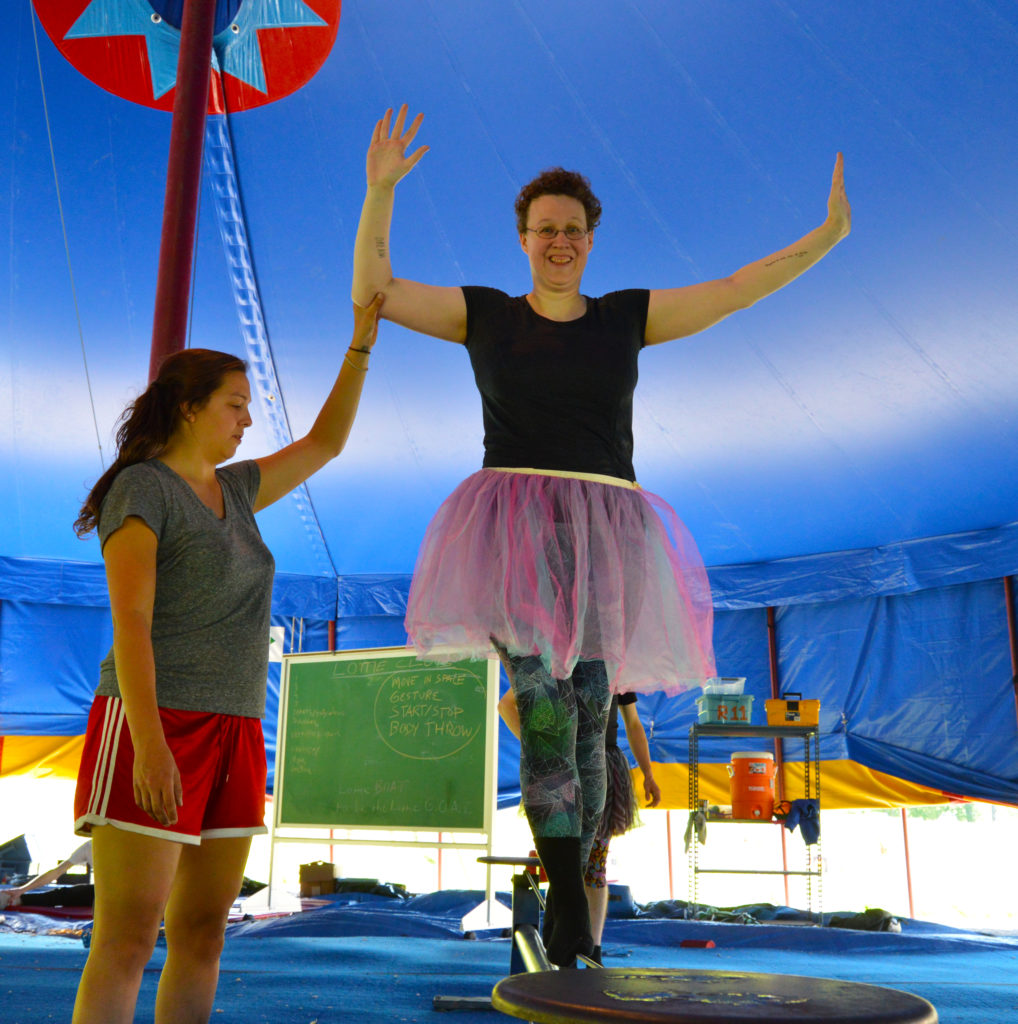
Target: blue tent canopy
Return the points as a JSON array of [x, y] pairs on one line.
[[841, 452]]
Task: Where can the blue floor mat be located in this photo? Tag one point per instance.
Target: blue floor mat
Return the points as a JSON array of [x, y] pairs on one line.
[[379, 959]]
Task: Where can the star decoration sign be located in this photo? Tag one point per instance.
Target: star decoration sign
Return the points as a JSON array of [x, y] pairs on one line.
[[262, 49]]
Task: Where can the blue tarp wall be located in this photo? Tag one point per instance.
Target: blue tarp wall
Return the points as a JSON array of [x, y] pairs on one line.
[[914, 676]]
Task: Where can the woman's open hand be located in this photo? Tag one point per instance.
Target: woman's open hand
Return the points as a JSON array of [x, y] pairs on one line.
[[387, 161], [157, 789]]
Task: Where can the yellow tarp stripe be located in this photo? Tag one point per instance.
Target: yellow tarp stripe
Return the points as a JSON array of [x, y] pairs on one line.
[[41, 756], [843, 784]]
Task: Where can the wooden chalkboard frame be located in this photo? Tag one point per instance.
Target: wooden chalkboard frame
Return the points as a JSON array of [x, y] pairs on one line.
[[370, 663]]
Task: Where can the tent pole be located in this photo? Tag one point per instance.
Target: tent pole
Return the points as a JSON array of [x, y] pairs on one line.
[[183, 181], [671, 874], [779, 747], [1012, 634], [908, 862]]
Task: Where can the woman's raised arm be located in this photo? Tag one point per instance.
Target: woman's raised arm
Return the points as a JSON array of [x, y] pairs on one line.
[[679, 312], [286, 469], [440, 312]]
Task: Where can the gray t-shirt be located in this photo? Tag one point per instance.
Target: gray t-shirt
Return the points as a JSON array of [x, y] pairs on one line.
[[210, 622]]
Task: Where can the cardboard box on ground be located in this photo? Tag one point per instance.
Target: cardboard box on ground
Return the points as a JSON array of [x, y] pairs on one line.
[[317, 878]]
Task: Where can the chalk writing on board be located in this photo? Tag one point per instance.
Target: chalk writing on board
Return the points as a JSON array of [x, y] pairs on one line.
[[383, 740], [308, 728], [427, 716]]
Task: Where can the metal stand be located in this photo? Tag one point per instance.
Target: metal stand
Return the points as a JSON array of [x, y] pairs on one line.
[[528, 944], [810, 735], [527, 947], [528, 955]]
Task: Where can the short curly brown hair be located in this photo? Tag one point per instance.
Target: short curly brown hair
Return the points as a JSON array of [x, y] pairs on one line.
[[557, 181]]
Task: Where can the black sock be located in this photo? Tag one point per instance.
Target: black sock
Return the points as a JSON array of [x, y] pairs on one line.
[[548, 919], [568, 932]]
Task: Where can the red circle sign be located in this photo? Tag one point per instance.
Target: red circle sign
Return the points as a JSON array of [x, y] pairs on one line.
[[268, 51]]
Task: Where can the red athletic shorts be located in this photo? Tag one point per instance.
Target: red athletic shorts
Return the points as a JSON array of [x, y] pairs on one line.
[[221, 760]]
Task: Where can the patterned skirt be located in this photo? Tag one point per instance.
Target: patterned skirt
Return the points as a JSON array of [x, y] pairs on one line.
[[621, 810]]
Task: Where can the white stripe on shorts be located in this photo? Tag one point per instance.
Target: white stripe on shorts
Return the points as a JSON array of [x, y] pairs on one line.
[[102, 777]]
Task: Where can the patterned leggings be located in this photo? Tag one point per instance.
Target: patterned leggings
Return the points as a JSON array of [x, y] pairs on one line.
[[596, 875], [562, 760]]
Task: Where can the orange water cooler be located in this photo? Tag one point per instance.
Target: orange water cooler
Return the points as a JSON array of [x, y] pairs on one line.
[[752, 783]]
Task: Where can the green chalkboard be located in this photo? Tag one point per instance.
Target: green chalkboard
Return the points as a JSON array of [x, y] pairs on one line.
[[378, 739]]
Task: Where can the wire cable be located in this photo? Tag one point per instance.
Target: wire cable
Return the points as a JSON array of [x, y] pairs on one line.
[[67, 247]]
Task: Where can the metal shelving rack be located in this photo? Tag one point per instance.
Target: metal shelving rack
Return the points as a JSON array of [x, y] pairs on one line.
[[810, 736]]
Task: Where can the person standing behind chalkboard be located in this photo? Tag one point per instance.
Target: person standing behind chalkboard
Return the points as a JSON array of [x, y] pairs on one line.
[[172, 780], [589, 584], [620, 803]]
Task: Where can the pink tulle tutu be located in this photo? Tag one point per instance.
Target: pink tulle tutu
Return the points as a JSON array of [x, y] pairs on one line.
[[567, 568]]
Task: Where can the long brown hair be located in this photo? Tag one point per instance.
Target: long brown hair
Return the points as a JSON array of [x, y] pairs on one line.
[[185, 378]]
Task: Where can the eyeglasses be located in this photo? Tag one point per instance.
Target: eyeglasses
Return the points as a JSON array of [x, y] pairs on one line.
[[546, 232]]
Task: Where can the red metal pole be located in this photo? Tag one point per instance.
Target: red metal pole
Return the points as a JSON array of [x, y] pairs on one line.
[[908, 862], [779, 749], [772, 651], [671, 875], [1012, 634], [183, 181]]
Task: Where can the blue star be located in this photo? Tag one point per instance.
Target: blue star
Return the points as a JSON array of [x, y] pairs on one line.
[[134, 18], [236, 47]]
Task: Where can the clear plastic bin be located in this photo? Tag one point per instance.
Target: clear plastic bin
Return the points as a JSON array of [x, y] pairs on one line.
[[725, 685], [724, 708]]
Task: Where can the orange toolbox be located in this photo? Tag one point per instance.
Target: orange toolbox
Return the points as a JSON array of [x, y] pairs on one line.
[[791, 709]]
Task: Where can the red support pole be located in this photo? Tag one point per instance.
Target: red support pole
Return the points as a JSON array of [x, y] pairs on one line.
[[772, 651], [671, 876], [908, 862], [183, 181], [779, 749], [1012, 634]]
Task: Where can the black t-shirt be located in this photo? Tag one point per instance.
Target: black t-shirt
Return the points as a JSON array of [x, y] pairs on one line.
[[557, 395], [611, 736]]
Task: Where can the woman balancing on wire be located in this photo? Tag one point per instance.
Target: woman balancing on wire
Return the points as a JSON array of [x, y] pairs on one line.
[[585, 583], [172, 780]]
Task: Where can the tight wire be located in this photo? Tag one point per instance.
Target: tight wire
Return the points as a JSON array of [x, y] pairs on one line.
[[67, 247]]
